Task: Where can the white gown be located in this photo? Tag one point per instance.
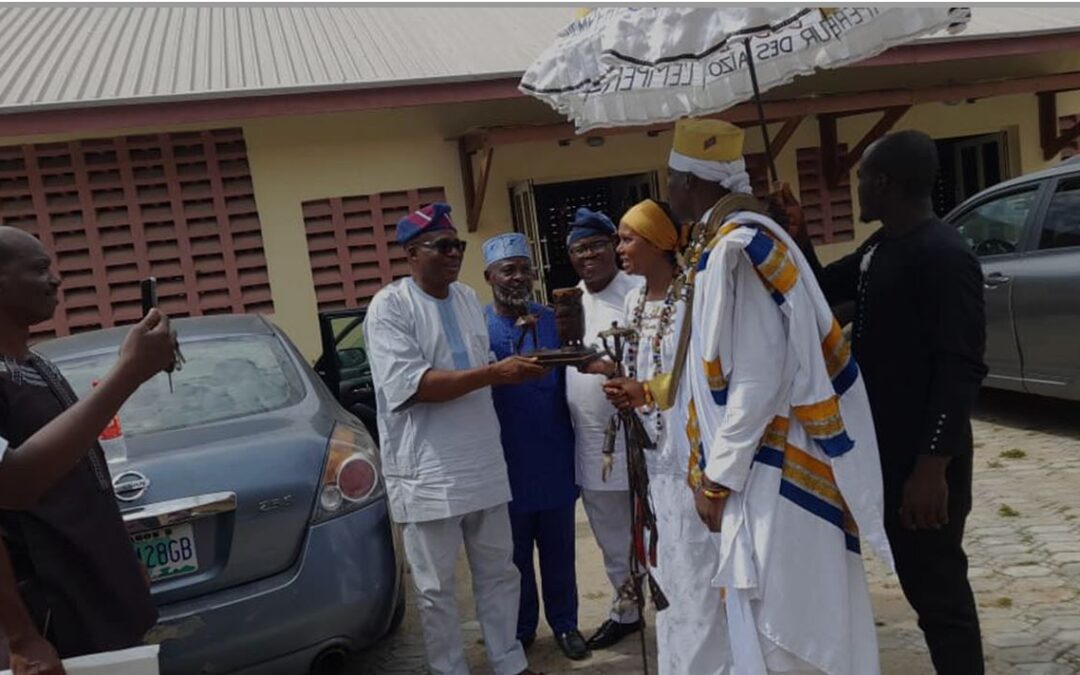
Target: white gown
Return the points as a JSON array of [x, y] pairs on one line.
[[691, 634]]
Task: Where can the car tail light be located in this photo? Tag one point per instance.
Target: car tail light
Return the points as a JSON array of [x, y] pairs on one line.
[[351, 474]]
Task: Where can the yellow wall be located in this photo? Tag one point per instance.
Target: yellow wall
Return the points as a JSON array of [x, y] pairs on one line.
[[1016, 115], [302, 158], [294, 160], [298, 159]]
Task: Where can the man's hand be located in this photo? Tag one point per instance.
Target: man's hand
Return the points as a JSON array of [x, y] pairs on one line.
[[925, 500], [785, 209], [624, 393], [710, 510], [517, 369], [149, 348], [33, 655]]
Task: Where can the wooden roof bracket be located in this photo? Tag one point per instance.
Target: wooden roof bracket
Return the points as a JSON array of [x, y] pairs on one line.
[[475, 190], [1053, 142], [781, 138], [836, 166]]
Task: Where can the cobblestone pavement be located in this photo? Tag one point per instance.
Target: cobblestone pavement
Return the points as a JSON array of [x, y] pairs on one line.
[[1023, 541]]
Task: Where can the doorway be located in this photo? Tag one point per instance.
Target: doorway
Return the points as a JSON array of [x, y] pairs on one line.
[[544, 214], [968, 165]]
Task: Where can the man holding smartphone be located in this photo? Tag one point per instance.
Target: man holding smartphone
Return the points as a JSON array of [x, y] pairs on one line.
[[69, 582]]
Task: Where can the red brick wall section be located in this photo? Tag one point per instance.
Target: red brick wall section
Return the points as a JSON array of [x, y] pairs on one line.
[[351, 243], [828, 211], [180, 207]]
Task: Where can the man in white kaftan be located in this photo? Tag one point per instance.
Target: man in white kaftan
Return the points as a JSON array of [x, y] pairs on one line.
[[782, 441], [591, 248], [442, 459]]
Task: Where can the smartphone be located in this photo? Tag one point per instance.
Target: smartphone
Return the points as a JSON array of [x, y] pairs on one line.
[[148, 287]]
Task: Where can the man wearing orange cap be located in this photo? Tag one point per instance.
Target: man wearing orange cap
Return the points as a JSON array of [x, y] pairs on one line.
[[783, 461]]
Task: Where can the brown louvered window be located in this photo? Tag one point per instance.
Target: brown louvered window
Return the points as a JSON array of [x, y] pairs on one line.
[[1065, 123], [828, 211], [179, 207], [351, 243]]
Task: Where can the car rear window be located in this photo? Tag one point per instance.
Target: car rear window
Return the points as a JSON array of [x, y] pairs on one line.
[[223, 379]]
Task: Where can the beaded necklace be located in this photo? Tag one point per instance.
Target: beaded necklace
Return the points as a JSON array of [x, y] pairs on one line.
[[666, 318]]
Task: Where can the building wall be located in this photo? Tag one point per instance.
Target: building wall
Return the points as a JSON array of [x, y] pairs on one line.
[[299, 159]]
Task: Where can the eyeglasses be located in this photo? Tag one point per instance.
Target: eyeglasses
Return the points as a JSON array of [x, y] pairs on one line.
[[444, 246], [582, 250]]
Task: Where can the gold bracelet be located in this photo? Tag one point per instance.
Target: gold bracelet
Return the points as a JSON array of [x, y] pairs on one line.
[[722, 493], [648, 394]]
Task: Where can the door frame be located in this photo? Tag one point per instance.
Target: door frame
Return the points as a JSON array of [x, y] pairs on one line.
[[328, 366], [525, 220]]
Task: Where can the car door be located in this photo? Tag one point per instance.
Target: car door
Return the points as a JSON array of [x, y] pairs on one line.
[[1046, 296], [344, 365], [995, 227]]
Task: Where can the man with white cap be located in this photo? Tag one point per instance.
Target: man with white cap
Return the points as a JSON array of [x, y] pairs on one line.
[[538, 442], [442, 459], [606, 498], [783, 457]]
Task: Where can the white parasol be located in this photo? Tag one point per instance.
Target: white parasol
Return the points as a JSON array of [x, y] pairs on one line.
[[620, 66]]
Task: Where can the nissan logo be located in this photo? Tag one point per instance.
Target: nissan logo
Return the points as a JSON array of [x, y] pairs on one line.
[[130, 485]]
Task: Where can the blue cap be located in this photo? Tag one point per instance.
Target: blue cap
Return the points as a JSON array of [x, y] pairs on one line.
[[588, 223], [432, 217], [511, 245]]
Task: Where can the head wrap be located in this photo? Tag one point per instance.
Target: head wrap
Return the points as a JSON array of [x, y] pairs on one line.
[[589, 223], [428, 219], [503, 246], [712, 151], [651, 223]]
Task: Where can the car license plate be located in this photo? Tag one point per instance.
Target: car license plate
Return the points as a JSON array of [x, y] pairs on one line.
[[167, 552]]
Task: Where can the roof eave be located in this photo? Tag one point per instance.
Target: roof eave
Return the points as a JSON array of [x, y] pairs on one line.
[[203, 107]]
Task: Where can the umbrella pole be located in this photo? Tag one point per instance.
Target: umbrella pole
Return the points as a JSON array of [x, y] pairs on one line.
[[760, 111]]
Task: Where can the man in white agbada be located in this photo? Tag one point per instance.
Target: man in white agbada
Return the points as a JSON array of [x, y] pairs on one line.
[[591, 247], [442, 459], [784, 461], [691, 633]]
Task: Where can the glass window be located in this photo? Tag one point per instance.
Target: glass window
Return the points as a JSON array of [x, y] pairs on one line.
[[349, 344], [1061, 227], [996, 227], [223, 379]]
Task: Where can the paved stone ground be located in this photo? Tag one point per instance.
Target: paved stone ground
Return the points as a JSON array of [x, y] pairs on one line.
[[1023, 540]]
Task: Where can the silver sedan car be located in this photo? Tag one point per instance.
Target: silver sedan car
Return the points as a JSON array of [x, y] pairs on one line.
[[254, 501], [1026, 234]]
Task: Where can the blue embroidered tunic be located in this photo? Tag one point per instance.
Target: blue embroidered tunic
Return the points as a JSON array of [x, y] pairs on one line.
[[537, 434]]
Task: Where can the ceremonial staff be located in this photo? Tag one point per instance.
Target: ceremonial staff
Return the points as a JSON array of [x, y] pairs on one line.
[[642, 517]]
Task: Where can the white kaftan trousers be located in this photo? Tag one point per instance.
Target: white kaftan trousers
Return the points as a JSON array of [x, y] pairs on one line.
[[609, 518], [432, 549]]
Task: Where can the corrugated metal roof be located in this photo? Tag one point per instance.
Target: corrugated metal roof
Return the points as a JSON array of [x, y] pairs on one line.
[[1015, 21], [60, 56], [66, 56]]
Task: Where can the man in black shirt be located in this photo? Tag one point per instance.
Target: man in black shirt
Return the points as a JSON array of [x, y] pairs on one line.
[[918, 335], [79, 586]]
